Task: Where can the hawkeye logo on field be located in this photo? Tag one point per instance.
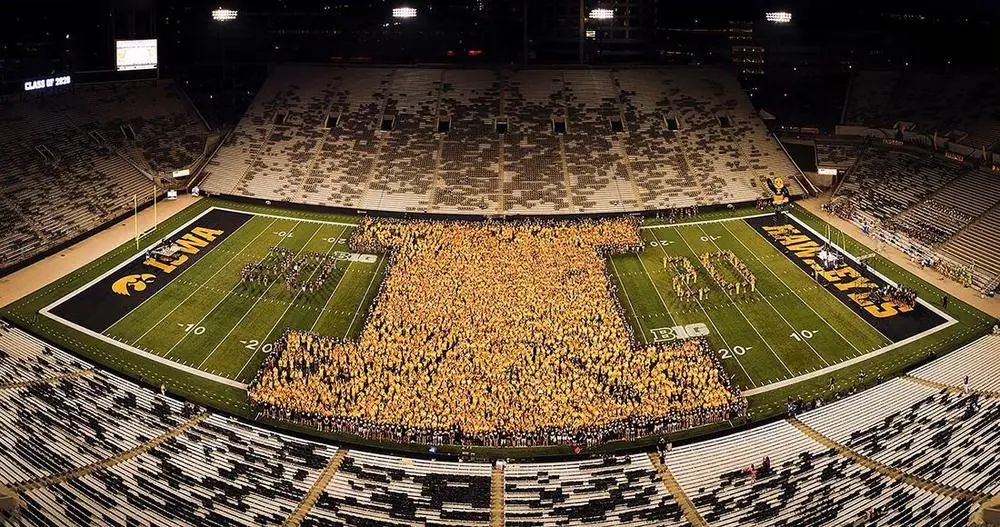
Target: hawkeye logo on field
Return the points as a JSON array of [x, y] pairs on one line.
[[136, 282], [180, 249]]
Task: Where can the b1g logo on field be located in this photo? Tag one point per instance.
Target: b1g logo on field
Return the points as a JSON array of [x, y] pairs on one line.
[[132, 282], [697, 329]]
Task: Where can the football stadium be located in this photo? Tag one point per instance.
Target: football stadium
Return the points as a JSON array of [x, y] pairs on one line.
[[410, 289]]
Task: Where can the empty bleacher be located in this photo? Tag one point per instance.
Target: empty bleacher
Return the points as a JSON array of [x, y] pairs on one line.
[[534, 141], [72, 159], [165, 467]]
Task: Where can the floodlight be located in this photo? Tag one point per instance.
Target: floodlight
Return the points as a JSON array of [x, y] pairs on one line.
[[778, 17], [404, 12], [224, 15], [601, 13]]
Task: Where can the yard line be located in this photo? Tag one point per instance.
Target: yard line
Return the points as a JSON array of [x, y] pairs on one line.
[[787, 323], [665, 308], [203, 283], [362, 303], [289, 306], [753, 327], [259, 298], [703, 310], [635, 315], [790, 289], [221, 300], [332, 294]]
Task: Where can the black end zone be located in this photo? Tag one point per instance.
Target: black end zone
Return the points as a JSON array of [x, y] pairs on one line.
[[108, 300], [850, 282]]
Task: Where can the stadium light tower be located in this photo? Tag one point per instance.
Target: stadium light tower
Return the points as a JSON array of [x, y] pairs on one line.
[[404, 12], [778, 17], [224, 15], [602, 13]]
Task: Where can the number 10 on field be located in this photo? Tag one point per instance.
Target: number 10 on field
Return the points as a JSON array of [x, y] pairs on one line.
[[804, 334]]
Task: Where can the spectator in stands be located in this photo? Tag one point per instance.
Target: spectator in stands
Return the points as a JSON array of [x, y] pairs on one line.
[[495, 334]]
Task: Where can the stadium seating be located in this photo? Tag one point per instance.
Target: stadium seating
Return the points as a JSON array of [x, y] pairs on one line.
[[215, 470], [611, 491], [373, 138], [807, 484], [977, 361], [73, 160], [927, 206], [373, 488], [24, 359], [836, 154]]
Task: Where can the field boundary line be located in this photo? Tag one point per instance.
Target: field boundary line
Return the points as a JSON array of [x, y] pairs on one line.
[[849, 362], [753, 327], [702, 222], [280, 217], [145, 354], [197, 289], [703, 310], [254, 305], [761, 295]]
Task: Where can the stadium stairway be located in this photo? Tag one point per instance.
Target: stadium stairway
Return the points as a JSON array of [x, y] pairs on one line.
[[496, 497], [894, 473], [953, 389], [46, 481], [47, 380], [675, 490], [295, 519]]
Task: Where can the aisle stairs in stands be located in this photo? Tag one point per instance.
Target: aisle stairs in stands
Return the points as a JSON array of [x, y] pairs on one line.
[[496, 497], [317, 489], [53, 479], [892, 472], [953, 389], [690, 512], [47, 380]]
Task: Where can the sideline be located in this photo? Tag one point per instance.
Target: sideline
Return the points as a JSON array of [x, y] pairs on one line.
[[47, 271]]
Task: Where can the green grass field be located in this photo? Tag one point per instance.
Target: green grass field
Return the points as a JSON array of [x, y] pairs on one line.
[[787, 327], [206, 320]]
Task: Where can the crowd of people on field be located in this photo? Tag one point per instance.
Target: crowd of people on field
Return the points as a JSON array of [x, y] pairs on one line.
[[495, 333], [306, 273], [685, 276], [901, 295], [743, 281]]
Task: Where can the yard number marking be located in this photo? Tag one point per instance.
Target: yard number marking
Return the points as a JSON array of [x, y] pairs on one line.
[[191, 328], [804, 334], [736, 351]]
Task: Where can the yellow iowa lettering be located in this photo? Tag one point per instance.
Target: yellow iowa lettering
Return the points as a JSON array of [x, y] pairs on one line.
[[208, 234], [191, 244]]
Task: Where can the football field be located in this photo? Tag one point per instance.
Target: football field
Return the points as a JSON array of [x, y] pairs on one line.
[[192, 307], [791, 324], [207, 319]]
